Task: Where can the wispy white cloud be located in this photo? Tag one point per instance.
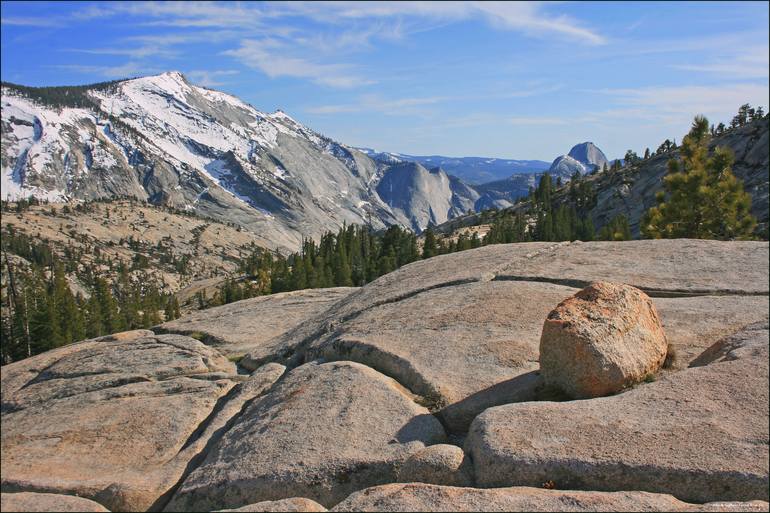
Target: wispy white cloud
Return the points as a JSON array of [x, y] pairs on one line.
[[375, 103], [158, 45], [210, 78], [352, 39], [538, 120], [531, 18], [129, 69], [268, 40], [725, 45], [181, 38], [745, 63], [274, 58], [29, 21], [409, 105], [179, 14], [140, 52], [678, 104]]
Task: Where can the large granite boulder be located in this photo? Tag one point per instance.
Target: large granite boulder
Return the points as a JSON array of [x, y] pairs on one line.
[[116, 419], [603, 339], [31, 501], [426, 497], [322, 432], [700, 434], [237, 328]]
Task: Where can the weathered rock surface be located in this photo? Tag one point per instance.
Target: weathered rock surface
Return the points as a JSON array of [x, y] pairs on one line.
[[692, 324], [438, 272], [665, 266], [659, 267], [30, 501], [116, 419], [459, 333], [438, 464], [603, 339], [700, 434], [462, 330], [288, 505], [237, 328], [750, 342], [448, 344], [322, 432], [425, 497]]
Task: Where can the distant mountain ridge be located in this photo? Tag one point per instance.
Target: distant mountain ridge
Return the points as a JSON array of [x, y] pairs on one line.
[[584, 158], [472, 170], [166, 141], [631, 190], [515, 176]]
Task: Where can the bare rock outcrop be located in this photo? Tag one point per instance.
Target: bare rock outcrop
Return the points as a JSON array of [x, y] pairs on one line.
[[287, 505], [31, 501], [603, 339], [116, 419], [664, 267], [425, 497], [322, 432], [462, 330], [442, 464], [237, 328], [141, 421], [700, 434]]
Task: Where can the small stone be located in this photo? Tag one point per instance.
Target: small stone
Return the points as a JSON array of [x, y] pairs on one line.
[[442, 464]]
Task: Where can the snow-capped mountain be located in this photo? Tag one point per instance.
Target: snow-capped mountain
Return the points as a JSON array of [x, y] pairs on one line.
[[167, 141], [584, 157]]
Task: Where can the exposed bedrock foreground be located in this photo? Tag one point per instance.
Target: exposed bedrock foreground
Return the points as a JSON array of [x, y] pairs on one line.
[[421, 391]]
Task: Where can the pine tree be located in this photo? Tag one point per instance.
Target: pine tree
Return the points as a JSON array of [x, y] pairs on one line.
[[172, 309], [701, 197], [617, 229], [105, 302], [298, 275], [631, 158], [94, 324], [463, 242], [429, 248], [342, 276]]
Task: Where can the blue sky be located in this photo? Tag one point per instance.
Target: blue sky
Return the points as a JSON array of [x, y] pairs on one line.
[[513, 79]]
